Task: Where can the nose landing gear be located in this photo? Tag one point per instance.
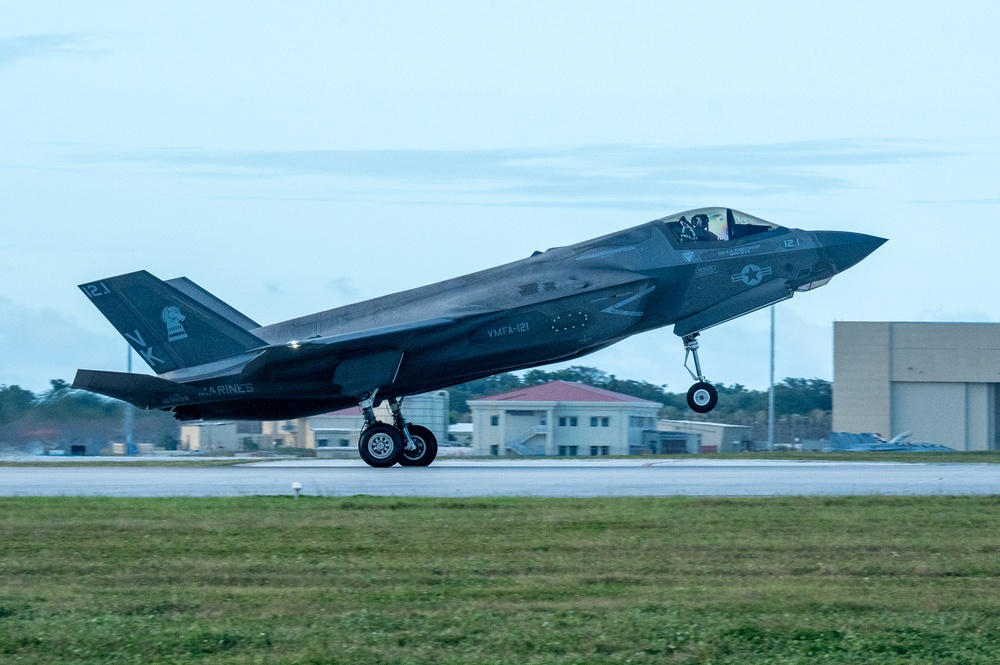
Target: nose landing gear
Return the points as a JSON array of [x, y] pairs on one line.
[[702, 397]]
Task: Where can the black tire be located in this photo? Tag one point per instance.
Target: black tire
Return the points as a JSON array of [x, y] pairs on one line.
[[702, 397], [380, 445], [427, 447]]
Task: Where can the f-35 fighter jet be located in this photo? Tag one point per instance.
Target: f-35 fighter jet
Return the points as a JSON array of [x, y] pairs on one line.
[[692, 270]]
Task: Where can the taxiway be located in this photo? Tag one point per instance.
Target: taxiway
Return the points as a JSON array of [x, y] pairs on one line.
[[489, 478]]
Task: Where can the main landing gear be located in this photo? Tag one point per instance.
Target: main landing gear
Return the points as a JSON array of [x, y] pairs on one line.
[[702, 396], [381, 445]]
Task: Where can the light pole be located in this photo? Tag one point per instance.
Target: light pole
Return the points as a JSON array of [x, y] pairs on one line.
[[129, 414], [770, 392]]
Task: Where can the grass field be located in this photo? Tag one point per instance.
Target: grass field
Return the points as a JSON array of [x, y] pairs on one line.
[[383, 580]]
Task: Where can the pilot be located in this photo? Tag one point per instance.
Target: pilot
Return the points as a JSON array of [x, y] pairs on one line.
[[699, 226]]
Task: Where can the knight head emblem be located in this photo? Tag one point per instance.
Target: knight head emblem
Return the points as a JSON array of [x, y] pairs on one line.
[[172, 316]]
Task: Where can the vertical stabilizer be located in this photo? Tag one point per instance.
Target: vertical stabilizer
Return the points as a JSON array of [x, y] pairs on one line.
[[168, 329], [195, 292]]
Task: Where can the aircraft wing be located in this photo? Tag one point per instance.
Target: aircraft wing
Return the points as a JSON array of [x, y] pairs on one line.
[[731, 308], [362, 359]]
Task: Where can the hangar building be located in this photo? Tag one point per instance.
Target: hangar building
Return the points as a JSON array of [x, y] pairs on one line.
[[940, 381], [209, 437], [561, 418]]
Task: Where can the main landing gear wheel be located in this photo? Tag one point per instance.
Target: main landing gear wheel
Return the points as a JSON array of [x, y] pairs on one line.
[[702, 397], [426, 447], [380, 445]]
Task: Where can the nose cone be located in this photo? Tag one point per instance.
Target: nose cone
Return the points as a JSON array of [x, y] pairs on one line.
[[846, 249]]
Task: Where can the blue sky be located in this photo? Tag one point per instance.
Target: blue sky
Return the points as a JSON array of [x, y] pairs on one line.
[[292, 157]]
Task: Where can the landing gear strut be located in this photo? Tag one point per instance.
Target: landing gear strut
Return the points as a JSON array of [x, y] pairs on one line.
[[420, 445], [382, 445], [702, 396]]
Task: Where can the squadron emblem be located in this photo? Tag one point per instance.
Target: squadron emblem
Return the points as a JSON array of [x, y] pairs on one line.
[[172, 316]]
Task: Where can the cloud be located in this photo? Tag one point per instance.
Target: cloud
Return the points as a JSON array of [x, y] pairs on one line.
[[617, 176], [946, 315], [27, 47], [41, 344], [342, 287]]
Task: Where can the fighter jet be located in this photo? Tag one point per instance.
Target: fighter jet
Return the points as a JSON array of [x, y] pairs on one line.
[[692, 270]]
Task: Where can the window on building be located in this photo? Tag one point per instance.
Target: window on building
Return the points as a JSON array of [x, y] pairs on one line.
[[605, 422], [322, 443], [605, 450], [593, 450], [572, 421], [562, 421], [494, 421], [562, 451], [593, 422], [573, 451], [640, 422], [345, 442], [495, 451]]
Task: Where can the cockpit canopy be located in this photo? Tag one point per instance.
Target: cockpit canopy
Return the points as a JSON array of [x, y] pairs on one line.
[[714, 225]]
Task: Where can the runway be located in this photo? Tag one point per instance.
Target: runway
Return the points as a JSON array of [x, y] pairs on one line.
[[489, 478]]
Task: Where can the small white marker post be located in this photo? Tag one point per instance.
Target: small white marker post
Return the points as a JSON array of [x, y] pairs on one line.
[[296, 487]]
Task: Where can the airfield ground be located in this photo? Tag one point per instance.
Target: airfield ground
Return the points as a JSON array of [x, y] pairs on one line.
[[705, 475], [390, 580]]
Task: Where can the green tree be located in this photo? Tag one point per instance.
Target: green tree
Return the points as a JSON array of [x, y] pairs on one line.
[[15, 401], [492, 385]]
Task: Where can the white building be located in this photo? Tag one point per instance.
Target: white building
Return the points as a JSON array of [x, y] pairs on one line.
[[210, 437], [940, 381], [709, 437], [341, 429], [460, 434], [561, 418]]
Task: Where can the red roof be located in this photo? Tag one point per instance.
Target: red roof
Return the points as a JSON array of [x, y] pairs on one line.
[[562, 391]]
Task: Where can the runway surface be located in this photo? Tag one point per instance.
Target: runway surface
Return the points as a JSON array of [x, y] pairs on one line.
[[540, 478]]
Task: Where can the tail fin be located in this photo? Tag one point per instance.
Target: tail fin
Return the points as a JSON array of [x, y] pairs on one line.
[[195, 292], [168, 328]]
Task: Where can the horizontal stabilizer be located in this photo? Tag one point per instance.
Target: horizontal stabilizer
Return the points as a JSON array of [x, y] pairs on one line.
[[142, 390]]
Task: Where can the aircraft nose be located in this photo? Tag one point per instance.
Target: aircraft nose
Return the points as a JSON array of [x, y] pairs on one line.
[[845, 249]]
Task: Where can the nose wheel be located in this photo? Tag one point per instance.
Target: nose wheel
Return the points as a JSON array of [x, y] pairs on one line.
[[702, 397]]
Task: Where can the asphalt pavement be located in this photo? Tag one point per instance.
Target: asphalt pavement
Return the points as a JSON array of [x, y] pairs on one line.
[[488, 478]]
